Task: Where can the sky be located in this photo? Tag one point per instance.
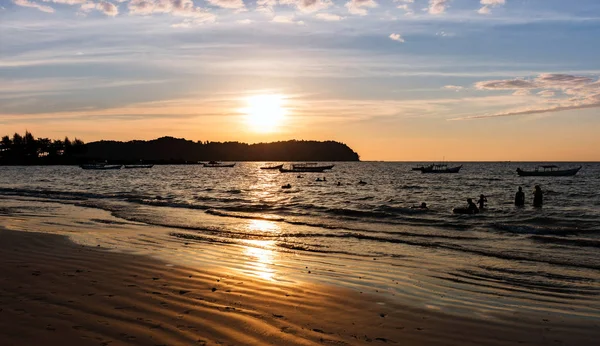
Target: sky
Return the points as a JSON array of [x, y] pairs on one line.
[[403, 80]]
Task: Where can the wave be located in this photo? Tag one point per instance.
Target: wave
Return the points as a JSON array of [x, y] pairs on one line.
[[401, 210], [524, 229], [578, 242], [283, 245], [412, 187], [244, 216]]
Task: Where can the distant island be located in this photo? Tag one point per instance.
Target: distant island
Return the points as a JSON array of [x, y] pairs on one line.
[[28, 150]]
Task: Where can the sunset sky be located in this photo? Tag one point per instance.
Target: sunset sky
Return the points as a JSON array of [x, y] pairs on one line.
[[395, 80]]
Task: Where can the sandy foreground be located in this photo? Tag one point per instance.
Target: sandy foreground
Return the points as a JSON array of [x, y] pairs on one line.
[[54, 292]]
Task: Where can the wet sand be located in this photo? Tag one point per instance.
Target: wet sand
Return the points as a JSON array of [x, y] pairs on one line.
[[55, 292]]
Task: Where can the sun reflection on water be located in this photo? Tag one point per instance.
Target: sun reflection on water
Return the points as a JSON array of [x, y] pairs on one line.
[[260, 258], [260, 254], [263, 226]]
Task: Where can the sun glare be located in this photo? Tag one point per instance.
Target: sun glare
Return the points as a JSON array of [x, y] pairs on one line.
[[264, 113]]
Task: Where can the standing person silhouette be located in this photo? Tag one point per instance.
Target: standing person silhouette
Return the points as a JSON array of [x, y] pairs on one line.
[[482, 201], [520, 198], [538, 196]]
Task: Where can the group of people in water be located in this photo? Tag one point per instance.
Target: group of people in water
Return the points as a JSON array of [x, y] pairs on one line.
[[538, 197], [475, 208], [472, 208]]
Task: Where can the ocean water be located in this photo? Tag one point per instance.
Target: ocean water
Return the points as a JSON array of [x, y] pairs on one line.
[[367, 237]]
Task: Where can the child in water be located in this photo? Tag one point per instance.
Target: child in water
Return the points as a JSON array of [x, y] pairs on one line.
[[482, 201]]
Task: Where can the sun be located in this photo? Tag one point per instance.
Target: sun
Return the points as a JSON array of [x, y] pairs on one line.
[[264, 113]]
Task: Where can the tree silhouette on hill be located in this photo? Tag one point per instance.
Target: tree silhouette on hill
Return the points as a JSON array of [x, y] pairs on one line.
[[27, 150]]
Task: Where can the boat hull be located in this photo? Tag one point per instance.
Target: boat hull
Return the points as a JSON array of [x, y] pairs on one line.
[[138, 166], [272, 167], [446, 170], [317, 169], [559, 173], [101, 167], [221, 165]]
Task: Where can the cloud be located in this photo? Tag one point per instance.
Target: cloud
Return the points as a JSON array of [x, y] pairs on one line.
[[330, 17], [245, 21], [396, 37], [546, 93], [105, 7], [581, 92], [437, 6], [454, 87], [181, 8], [27, 3], [233, 4], [283, 19], [445, 34], [307, 5], [510, 84], [543, 81], [67, 2], [265, 6], [404, 6], [522, 92], [360, 7], [488, 4], [407, 10], [593, 103]]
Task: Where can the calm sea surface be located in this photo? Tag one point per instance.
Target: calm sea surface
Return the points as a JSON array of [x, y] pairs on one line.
[[366, 236]]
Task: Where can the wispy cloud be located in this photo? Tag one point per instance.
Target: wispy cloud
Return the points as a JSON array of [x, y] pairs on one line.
[[286, 20], [360, 7], [182, 8], [454, 87], [559, 92], [404, 5], [27, 3], [232, 4], [330, 17], [487, 5], [105, 7], [307, 5], [546, 93]]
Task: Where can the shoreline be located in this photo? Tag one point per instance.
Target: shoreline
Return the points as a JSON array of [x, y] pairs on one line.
[[53, 291]]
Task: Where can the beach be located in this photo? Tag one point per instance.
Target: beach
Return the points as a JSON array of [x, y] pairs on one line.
[[55, 292], [155, 258]]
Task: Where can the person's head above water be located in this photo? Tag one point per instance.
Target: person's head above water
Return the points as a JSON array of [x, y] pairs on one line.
[[423, 205]]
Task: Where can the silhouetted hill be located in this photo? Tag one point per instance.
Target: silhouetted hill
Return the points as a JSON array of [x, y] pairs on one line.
[[169, 149]]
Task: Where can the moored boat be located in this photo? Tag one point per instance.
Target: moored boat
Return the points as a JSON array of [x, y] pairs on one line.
[[440, 168], [420, 168], [548, 171], [272, 167], [138, 166], [306, 168], [100, 166], [218, 164]]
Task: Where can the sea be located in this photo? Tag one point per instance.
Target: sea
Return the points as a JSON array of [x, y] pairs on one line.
[[501, 262]]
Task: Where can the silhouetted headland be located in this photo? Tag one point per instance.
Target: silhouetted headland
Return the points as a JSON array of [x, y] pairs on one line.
[[27, 150]]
